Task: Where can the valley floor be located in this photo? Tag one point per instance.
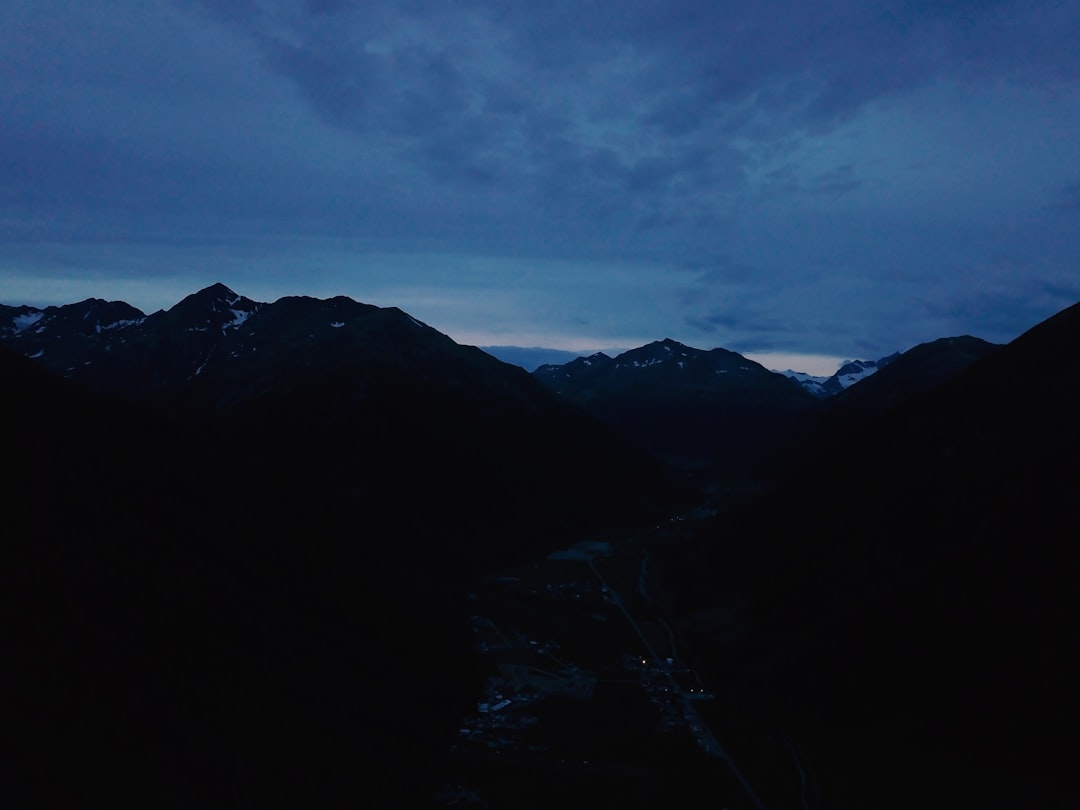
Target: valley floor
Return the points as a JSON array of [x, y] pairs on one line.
[[586, 697]]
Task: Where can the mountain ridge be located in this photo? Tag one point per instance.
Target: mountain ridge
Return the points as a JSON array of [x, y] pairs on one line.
[[687, 405], [926, 616]]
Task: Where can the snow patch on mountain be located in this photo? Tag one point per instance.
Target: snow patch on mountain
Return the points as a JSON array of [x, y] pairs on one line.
[[239, 316], [851, 373], [24, 322], [801, 376], [652, 361], [810, 382], [108, 327]]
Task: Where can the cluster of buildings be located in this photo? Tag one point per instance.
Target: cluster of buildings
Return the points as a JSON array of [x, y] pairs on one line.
[[527, 672], [665, 682]]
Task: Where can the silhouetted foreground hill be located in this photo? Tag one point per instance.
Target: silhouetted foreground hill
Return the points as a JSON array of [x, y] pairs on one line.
[[906, 607], [838, 423], [179, 633]]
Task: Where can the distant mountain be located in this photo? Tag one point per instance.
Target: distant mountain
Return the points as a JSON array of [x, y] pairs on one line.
[[811, 382], [683, 404], [530, 358], [29, 325], [903, 606], [847, 375], [850, 373]]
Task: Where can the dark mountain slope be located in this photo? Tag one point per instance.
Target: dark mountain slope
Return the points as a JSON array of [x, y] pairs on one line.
[[680, 403], [906, 609], [178, 631], [847, 375], [366, 401], [29, 325], [909, 375], [376, 406], [840, 420], [239, 579], [852, 372]]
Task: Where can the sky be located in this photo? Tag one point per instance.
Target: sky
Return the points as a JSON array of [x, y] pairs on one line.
[[799, 182]]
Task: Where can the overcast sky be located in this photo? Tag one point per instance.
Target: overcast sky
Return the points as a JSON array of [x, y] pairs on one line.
[[842, 179]]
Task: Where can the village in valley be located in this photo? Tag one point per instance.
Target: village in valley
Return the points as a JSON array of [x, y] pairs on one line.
[[583, 682]]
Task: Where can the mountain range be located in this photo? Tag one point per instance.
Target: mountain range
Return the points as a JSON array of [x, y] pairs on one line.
[[386, 387], [717, 410], [241, 538]]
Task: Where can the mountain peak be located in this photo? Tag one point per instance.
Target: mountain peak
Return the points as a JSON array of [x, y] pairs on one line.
[[215, 306], [686, 405], [671, 346], [217, 291], [659, 351]]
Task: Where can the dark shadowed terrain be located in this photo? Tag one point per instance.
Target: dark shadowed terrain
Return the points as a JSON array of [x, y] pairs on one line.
[[904, 606], [274, 554]]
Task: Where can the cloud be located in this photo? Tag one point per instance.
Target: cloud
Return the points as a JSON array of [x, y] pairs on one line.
[[817, 171]]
